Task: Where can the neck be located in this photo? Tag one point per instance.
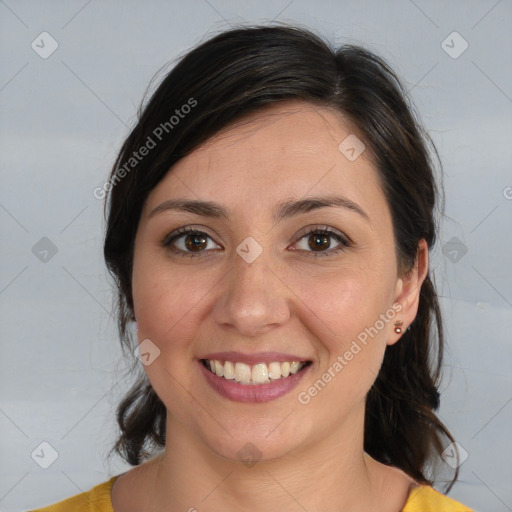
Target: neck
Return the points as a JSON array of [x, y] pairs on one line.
[[332, 470]]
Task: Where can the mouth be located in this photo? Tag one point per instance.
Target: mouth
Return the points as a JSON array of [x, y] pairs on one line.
[[254, 374]]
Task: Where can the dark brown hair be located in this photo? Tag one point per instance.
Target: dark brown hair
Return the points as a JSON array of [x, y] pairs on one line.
[[227, 77]]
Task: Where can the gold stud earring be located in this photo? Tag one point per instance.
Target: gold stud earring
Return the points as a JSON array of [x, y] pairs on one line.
[[398, 329]]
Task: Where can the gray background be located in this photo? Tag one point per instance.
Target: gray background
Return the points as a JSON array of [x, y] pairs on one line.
[[64, 118]]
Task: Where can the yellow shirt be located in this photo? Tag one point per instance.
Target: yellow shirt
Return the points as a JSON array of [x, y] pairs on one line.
[[423, 498]]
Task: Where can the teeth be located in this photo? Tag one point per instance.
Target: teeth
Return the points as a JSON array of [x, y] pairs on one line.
[[274, 371], [294, 367], [219, 369], [242, 372], [229, 370], [260, 373]]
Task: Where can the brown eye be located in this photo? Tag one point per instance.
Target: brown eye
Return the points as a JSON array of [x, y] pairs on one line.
[[187, 241], [319, 240], [195, 242]]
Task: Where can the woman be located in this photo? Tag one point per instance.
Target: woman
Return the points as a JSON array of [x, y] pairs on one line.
[[269, 225]]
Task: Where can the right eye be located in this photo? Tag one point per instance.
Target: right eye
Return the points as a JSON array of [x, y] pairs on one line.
[[187, 241]]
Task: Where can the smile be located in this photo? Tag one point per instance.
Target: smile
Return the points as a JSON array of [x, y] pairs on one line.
[[257, 374], [253, 378]]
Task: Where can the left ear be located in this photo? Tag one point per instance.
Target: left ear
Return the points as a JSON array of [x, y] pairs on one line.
[[407, 291]]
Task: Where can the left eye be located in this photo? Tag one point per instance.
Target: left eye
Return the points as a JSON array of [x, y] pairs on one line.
[[318, 241]]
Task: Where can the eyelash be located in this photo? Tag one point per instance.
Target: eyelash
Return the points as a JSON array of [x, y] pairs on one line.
[[175, 235]]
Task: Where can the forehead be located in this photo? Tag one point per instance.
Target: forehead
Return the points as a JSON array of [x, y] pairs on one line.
[[282, 152], [280, 133]]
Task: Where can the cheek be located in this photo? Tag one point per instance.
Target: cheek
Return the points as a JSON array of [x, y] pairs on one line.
[[166, 305], [351, 310], [347, 301], [351, 344], [165, 301]]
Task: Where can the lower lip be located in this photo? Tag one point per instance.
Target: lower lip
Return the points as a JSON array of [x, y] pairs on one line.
[[256, 393]]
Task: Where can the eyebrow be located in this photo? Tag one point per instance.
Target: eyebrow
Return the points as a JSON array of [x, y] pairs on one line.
[[285, 210]]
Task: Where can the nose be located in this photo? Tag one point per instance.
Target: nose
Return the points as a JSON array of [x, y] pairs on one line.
[[254, 298]]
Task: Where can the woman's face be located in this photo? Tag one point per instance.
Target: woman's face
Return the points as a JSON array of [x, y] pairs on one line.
[[254, 287]]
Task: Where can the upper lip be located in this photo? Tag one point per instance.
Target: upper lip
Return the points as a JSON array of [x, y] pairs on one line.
[[255, 358]]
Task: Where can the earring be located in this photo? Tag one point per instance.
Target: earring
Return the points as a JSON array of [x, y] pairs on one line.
[[398, 329]]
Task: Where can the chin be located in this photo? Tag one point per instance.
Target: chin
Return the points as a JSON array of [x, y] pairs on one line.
[[256, 441]]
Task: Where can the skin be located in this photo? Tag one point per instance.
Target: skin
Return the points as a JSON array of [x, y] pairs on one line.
[[285, 301]]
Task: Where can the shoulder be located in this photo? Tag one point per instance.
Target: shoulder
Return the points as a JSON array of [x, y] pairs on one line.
[[424, 498], [97, 499]]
